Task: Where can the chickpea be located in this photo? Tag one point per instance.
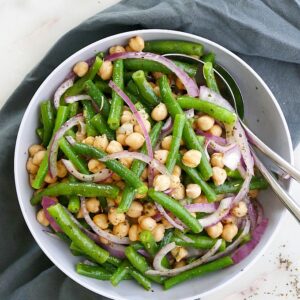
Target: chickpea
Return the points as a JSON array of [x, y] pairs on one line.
[[121, 184], [126, 161], [137, 127], [61, 170], [126, 128], [158, 232], [156, 90], [179, 264], [216, 160], [179, 253], [240, 210], [116, 49], [33, 149], [31, 167], [101, 142], [193, 190], [126, 117], [110, 202], [133, 233], [216, 130], [121, 230], [135, 210], [81, 68], [205, 122], [161, 182], [157, 75], [115, 217], [49, 179], [166, 142], [114, 147], [136, 43], [175, 182], [128, 49], [147, 223], [191, 158], [79, 214], [166, 223], [92, 205], [229, 219], [161, 155], [219, 175], [253, 194], [89, 140], [101, 221], [179, 84], [144, 175], [38, 157], [200, 199], [159, 112], [179, 192], [149, 209], [229, 232], [121, 139], [215, 231], [95, 166], [103, 240], [176, 171], [135, 140], [106, 70], [41, 217]]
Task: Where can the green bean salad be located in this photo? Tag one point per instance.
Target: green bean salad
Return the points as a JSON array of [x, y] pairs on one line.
[[145, 175]]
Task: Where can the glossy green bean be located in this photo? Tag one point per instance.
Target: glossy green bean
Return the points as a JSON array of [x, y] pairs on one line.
[[79, 188], [165, 46], [233, 174], [132, 88], [47, 115], [178, 125], [96, 272], [61, 216], [103, 86], [74, 200], [189, 135], [209, 57], [209, 75], [127, 175], [167, 238], [218, 264], [88, 113], [40, 133], [176, 208], [137, 168], [121, 272], [116, 102], [140, 278], [73, 109], [101, 126], [217, 112]]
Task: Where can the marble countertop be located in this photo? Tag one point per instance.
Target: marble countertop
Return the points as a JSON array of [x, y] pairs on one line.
[[276, 273]]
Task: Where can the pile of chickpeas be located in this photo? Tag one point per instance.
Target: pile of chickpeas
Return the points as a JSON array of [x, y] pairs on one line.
[[142, 215]]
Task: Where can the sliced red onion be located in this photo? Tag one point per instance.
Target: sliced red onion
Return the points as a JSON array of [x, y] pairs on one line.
[[189, 83], [201, 207], [167, 126], [116, 250], [232, 157], [247, 248], [242, 170], [46, 203], [110, 237], [244, 189], [219, 214], [168, 191], [190, 113], [53, 148], [260, 212], [97, 177], [70, 140], [252, 213], [72, 99], [220, 148], [61, 90], [160, 255], [192, 265], [221, 141], [168, 218]]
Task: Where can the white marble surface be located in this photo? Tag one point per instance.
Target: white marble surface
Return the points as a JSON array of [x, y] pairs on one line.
[[36, 26]]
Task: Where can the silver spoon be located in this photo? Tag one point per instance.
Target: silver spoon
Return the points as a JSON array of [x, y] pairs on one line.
[[234, 96]]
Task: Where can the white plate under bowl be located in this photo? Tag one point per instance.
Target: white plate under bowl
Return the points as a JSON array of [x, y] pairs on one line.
[[263, 115]]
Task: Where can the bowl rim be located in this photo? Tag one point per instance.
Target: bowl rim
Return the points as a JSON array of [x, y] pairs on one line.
[[176, 34]]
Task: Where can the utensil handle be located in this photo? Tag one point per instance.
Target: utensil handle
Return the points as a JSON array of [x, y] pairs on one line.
[[283, 164], [284, 197]]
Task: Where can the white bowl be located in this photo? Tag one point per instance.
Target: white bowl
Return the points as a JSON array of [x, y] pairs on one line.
[[263, 115]]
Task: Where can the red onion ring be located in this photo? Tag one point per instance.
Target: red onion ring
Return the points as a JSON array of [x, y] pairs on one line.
[[201, 207], [61, 90], [46, 203], [168, 218]]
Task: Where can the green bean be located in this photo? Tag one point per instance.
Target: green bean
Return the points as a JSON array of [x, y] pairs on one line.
[[189, 135], [136, 64], [116, 102], [205, 187], [47, 114], [73, 109], [96, 272], [234, 186], [137, 245], [163, 47], [140, 263], [208, 73], [103, 86], [133, 89], [74, 201], [127, 175], [217, 112], [120, 273], [78, 86], [132, 97], [140, 278], [61, 117], [209, 57], [82, 189], [100, 124], [77, 161], [176, 208], [145, 89], [201, 140], [109, 267], [40, 133], [179, 121], [88, 246], [98, 97], [167, 238], [88, 113], [114, 261], [137, 168], [233, 174], [76, 251], [218, 264]]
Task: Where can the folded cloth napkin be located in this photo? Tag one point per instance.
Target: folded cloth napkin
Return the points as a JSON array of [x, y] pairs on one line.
[[266, 34]]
